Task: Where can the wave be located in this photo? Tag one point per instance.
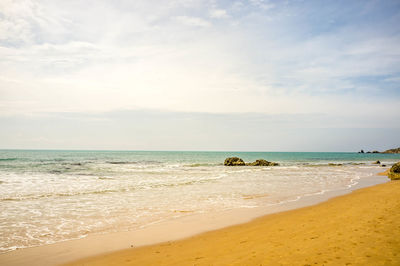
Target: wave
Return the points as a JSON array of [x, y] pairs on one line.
[[123, 162], [56, 172], [74, 164], [105, 178], [133, 162], [202, 164], [51, 195], [52, 160], [8, 159], [255, 196], [184, 183], [110, 190], [331, 164]]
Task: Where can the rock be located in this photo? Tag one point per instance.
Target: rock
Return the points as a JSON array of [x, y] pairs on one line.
[[234, 161], [377, 162], [397, 150], [394, 172], [375, 151], [383, 165], [368, 152], [262, 162], [335, 164], [362, 151]]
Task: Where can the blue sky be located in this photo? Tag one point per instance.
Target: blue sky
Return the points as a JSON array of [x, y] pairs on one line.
[[198, 75]]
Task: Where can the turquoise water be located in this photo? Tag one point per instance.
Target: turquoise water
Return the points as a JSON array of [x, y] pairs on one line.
[[42, 156], [51, 196]]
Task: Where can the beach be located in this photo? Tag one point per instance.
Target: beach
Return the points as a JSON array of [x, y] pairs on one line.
[[361, 228], [355, 229], [254, 132], [64, 206]]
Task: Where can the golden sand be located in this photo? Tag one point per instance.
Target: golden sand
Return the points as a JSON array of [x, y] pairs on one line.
[[384, 173], [361, 228]]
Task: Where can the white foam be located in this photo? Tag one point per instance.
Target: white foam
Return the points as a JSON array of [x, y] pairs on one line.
[[47, 208]]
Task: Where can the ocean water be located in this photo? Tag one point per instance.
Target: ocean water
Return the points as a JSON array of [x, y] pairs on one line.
[[51, 196]]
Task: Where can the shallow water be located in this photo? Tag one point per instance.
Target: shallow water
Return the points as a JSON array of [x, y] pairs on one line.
[[50, 196]]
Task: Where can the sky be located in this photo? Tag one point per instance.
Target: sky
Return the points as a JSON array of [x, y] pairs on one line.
[[247, 75]]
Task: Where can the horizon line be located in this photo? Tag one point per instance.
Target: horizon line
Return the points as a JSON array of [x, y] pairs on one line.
[[150, 150]]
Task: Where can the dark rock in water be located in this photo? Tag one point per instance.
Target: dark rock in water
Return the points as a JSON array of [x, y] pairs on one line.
[[377, 162], [395, 168], [262, 162], [368, 152], [394, 172], [335, 164], [383, 165], [375, 151], [397, 150], [234, 161], [362, 151]]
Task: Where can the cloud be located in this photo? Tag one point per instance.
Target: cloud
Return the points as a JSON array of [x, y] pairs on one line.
[[215, 65], [26, 22], [218, 13], [16, 21], [395, 79], [149, 56], [193, 21], [265, 5]]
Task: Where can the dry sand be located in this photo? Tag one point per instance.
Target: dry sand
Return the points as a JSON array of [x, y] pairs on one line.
[[361, 228]]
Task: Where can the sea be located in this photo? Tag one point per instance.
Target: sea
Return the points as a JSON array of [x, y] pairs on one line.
[[48, 196]]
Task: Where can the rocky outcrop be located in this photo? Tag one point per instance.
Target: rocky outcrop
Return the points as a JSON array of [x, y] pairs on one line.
[[394, 172], [397, 150], [377, 162], [234, 161], [262, 162]]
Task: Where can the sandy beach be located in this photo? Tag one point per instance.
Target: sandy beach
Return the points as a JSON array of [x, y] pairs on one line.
[[361, 228], [93, 208]]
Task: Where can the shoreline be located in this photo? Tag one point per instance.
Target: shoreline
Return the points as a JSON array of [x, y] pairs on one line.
[[360, 228], [171, 230]]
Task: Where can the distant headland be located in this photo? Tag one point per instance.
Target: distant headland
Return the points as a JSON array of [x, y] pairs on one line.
[[395, 150]]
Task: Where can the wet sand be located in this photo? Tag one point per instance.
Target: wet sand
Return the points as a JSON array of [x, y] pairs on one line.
[[360, 228]]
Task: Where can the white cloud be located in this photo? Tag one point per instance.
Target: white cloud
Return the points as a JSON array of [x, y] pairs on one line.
[[193, 21], [218, 13], [393, 79], [265, 5], [237, 6], [182, 57], [14, 24], [127, 57]]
